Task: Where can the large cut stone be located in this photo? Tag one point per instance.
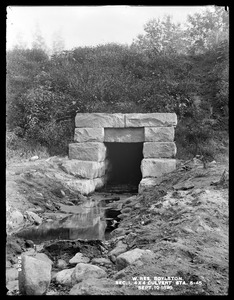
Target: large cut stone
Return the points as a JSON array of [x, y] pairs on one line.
[[34, 279], [124, 135], [89, 151], [153, 167], [84, 169], [159, 134], [86, 186], [159, 150], [153, 119], [95, 120], [89, 135]]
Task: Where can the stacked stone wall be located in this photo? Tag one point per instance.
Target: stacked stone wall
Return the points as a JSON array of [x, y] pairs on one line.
[[88, 153]]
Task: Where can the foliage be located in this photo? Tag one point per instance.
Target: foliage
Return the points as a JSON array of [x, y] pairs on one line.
[[170, 68]]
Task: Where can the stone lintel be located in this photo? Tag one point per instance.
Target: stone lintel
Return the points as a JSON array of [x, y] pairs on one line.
[[97, 120], [124, 135], [151, 120]]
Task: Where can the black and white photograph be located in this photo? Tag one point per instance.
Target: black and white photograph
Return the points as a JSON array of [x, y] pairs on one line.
[[117, 150]]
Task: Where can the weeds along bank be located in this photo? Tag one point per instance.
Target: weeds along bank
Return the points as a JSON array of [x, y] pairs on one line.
[[188, 76]]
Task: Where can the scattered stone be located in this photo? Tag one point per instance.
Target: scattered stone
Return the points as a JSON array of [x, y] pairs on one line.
[[8, 264], [64, 276], [129, 257], [16, 219], [61, 264], [13, 285], [120, 248], [101, 261], [79, 258], [11, 274], [37, 209], [33, 217], [117, 231], [43, 257], [33, 158], [94, 286], [126, 210], [184, 186], [34, 279], [123, 216], [119, 274], [84, 271]]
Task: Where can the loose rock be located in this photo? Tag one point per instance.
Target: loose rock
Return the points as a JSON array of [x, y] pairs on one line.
[[120, 248], [34, 279], [64, 276], [33, 217], [129, 257], [94, 286], [61, 264], [101, 261], [84, 271], [79, 258]]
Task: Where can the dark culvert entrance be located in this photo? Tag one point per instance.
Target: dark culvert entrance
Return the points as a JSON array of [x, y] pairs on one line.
[[123, 172]]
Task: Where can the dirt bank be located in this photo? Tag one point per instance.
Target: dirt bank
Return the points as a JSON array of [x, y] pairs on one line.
[[183, 221]]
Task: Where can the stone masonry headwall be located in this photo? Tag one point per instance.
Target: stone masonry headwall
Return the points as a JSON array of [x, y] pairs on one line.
[[87, 155]]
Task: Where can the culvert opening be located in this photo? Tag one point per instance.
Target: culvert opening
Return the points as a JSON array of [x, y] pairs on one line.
[[124, 161]]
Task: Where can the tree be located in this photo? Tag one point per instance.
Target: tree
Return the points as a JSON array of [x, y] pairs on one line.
[[161, 37], [39, 41], [58, 43]]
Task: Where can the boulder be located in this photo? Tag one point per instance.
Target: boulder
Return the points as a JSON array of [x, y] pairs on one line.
[[147, 183], [13, 285], [97, 120], [124, 135], [35, 276], [101, 261], [83, 135], [79, 258], [159, 150], [84, 271], [61, 264], [120, 248], [84, 169], [33, 217], [159, 134], [64, 276], [150, 120], [130, 257], [89, 151], [11, 274], [155, 167], [43, 257], [94, 286], [16, 219]]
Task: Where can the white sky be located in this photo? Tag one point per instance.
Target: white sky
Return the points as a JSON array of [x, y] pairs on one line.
[[87, 25]]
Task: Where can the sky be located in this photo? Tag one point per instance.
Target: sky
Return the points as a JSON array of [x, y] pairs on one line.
[[87, 25]]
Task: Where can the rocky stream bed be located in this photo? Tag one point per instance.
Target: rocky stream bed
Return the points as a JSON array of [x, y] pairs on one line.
[[169, 240]]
